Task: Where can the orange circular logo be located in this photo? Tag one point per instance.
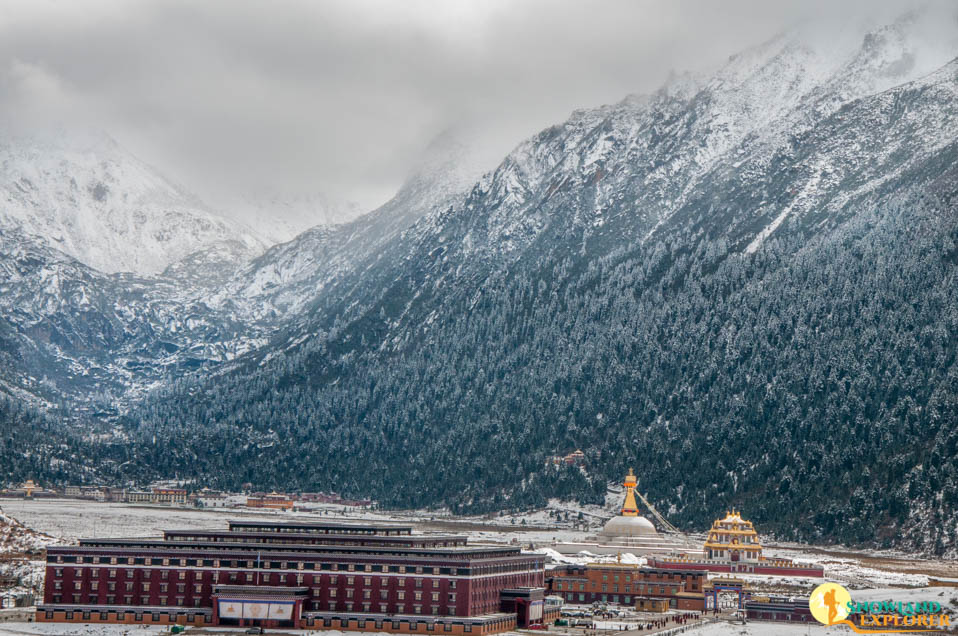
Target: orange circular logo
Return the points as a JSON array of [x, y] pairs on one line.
[[829, 603]]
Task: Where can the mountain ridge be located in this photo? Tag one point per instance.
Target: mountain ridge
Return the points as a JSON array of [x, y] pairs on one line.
[[724, 283]]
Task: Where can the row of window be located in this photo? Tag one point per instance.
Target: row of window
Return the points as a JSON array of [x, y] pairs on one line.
[[144, 586], [366, 542], [627, 589], [129, 599], [261, 577], [265, 565], [606, 598], [120, 616], [310, 621], [384, 594], [312, 530], [382, 608]]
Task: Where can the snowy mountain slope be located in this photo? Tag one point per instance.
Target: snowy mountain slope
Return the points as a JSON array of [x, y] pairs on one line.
[[70, 332], [622, 172], [752, 267], [89, 198], [289, 277]]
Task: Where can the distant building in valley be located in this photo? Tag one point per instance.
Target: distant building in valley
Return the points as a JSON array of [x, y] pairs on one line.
[[272, 501]]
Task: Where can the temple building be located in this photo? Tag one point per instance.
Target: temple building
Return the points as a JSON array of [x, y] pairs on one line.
[[298, 575], [732, 546], [733, 539], [629, 523], [629, 531]]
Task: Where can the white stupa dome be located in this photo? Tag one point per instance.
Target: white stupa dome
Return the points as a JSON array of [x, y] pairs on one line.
[[625, 526]]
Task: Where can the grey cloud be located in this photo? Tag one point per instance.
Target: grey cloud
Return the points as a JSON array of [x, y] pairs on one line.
[[340, 97]]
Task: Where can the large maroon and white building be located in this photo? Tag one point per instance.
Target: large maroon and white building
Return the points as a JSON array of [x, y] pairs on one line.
[[296, 575]]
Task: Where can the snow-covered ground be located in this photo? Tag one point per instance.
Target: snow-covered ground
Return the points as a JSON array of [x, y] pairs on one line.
[[757, 629]]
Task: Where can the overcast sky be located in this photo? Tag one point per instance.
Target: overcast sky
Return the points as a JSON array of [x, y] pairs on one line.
[[341, 97]]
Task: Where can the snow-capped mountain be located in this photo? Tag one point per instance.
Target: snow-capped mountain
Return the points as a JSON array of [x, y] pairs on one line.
[[754, 267], [86, 196]]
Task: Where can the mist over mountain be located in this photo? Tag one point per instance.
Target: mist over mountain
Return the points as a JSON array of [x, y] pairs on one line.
[[87, 197], [744, 285]]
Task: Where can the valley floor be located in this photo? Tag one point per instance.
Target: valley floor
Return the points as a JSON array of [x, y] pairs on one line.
[[870, 575]]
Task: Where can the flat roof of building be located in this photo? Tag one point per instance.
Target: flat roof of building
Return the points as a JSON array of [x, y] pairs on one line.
[[292, 551], [403, 538], [266, 523]]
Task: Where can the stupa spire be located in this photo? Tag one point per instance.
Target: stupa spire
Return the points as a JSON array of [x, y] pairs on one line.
[[630, 508]]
